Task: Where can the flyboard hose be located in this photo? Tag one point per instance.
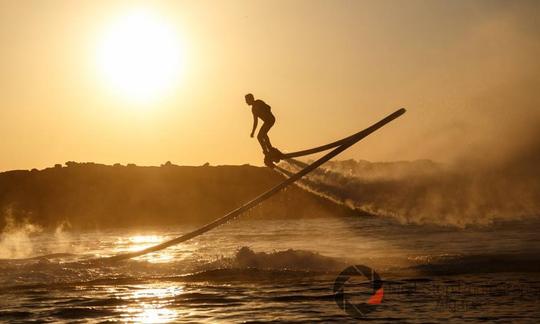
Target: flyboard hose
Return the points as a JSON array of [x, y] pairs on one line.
[[340, 145]]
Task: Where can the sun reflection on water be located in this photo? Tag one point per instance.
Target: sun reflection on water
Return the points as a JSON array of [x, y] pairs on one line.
[[149, 313], [151, 305]]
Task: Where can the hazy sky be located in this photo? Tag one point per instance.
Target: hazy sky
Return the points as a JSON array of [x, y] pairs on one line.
[[467, 71]]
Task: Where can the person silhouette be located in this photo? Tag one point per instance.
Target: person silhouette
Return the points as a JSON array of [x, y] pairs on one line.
[[263, 111]]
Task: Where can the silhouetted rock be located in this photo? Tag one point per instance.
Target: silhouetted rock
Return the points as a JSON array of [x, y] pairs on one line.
[[90, 195]]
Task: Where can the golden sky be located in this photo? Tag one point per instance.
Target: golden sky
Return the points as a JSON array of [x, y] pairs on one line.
[[467, 71]]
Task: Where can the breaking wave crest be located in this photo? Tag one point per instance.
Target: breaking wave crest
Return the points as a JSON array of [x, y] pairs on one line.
[[279, 260]]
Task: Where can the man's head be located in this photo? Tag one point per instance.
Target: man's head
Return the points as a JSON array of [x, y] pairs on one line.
[[249, 99]]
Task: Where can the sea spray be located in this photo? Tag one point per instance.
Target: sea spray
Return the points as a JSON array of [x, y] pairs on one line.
[[15, 239], [424, 192]]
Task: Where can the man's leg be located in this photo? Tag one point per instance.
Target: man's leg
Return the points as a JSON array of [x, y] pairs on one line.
[[267, 141], [262, 142], [262, 136]]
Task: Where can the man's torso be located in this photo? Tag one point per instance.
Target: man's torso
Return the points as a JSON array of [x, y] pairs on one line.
[[262, 110]]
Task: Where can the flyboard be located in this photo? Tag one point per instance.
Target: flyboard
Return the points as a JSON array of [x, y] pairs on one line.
[[339, 146]]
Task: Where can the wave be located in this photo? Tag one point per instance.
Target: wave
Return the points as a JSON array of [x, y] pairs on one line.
[[250, 266], [295, 260], [244, 264]]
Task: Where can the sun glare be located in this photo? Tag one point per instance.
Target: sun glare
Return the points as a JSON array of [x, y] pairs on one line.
[[140, 56]]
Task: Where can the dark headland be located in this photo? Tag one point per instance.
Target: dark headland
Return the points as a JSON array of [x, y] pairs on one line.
[[97, 196]]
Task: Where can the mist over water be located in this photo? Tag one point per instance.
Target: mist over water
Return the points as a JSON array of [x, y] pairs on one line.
[[18, 239], [470, 191], [15, 239]]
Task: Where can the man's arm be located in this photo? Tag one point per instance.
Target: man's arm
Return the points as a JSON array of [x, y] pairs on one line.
[[255, 120]]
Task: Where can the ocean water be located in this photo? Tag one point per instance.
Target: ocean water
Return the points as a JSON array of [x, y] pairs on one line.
[[257, 269]]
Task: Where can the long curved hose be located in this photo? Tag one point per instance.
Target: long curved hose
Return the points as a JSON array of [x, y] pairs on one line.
[[342, 145]]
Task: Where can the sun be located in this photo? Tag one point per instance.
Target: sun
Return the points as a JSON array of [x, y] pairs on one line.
[[140, 57]]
